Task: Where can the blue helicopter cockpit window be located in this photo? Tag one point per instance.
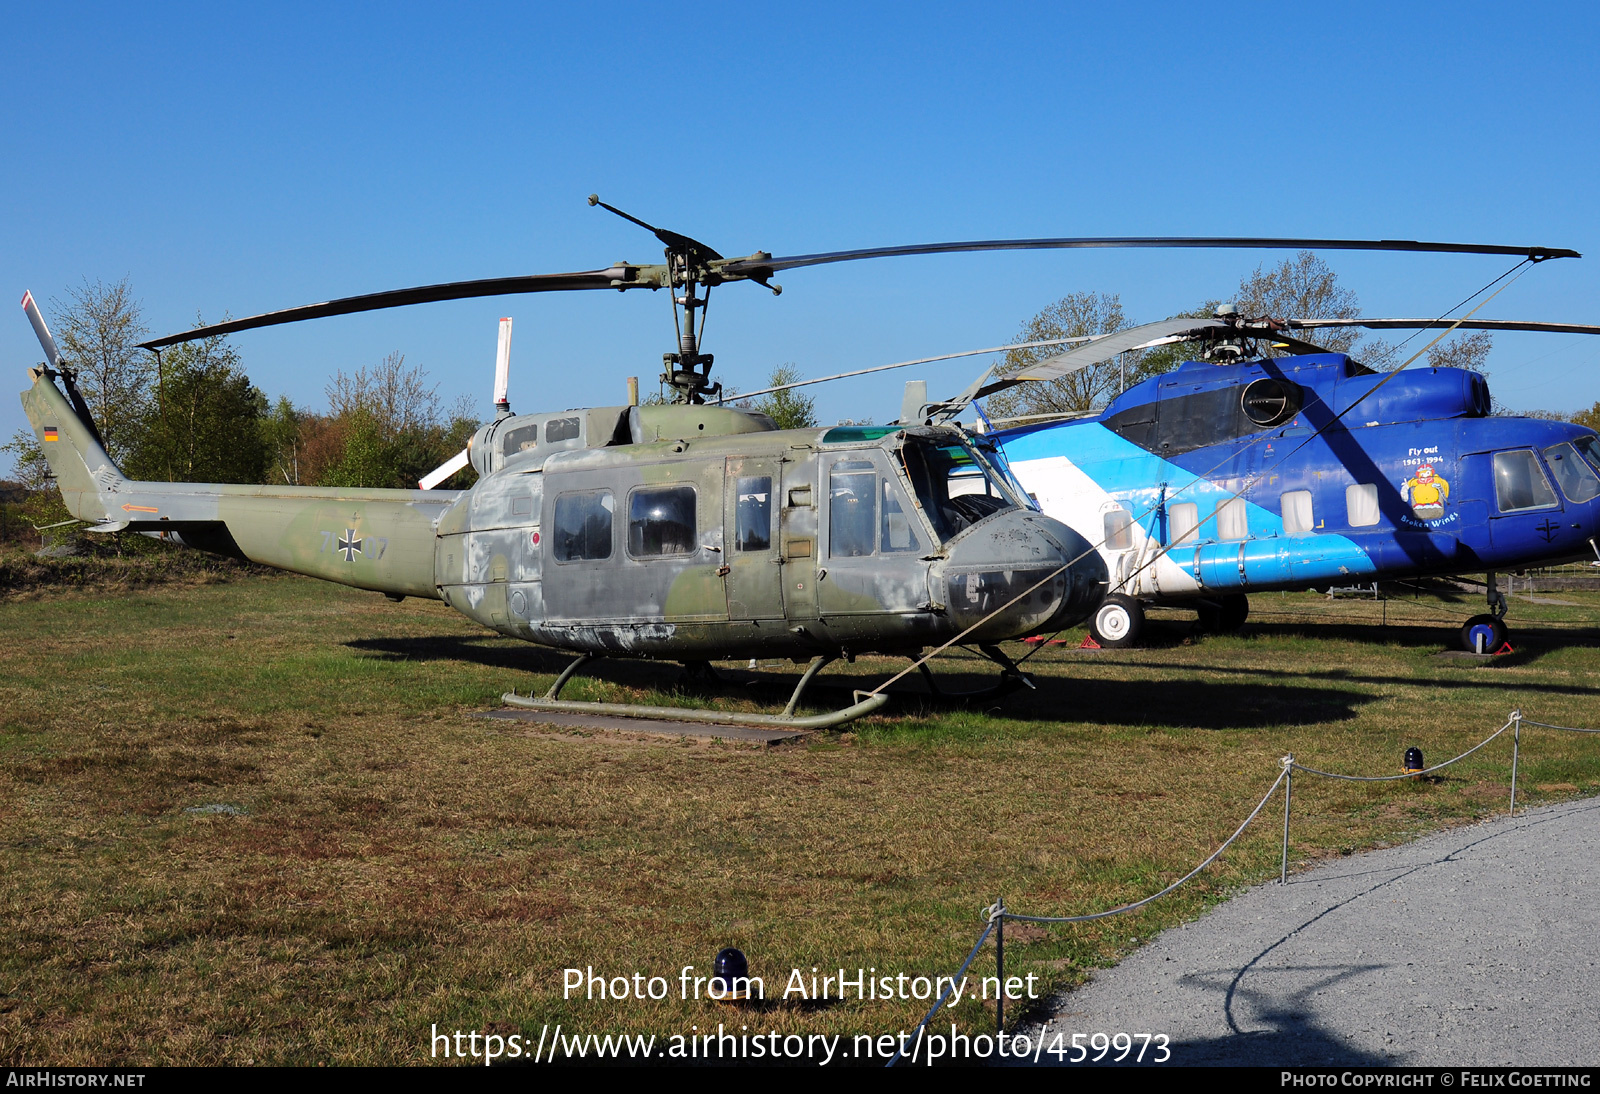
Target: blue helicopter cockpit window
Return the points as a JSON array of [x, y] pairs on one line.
[[661, 522], [583, 526], [1575, 477], [1590, 447], [1519, 483]]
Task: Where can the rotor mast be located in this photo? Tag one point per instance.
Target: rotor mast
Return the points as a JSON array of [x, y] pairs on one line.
[[688, 371]]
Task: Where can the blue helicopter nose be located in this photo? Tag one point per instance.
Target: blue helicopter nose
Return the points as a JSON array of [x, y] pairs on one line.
[[1029, 571]]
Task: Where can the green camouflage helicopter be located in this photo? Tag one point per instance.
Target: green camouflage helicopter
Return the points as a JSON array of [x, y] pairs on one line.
[[683, 532]]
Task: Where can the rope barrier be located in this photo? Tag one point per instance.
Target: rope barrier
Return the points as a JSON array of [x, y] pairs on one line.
[[1408, 774], [1564, 729], [1122, 909]]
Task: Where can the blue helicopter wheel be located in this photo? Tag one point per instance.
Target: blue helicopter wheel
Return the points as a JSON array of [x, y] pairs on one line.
[[1117, 622], [1484, 629]]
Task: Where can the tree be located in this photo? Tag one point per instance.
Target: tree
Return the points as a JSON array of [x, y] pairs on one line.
[[386, 429], [99, 330], [280, 432], [1468, 351], [1073, 316], [788, 409], [394, 395], [30, 467], [205, 424], [1302, 287]]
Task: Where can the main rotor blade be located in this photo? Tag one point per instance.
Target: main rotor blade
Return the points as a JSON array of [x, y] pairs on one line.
[[1441, 324], [768, 266], [1105, 349], [399, 298]]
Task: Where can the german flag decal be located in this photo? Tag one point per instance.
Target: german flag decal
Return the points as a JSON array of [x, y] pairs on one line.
[[49, 432]]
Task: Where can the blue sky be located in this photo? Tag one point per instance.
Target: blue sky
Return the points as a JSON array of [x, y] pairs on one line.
[[246, 158]]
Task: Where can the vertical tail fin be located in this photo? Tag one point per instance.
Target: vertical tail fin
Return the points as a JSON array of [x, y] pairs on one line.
[[72, 444], [72, 447]]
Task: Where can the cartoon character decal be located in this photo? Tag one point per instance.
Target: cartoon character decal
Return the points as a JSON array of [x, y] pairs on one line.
[[1427, 492]]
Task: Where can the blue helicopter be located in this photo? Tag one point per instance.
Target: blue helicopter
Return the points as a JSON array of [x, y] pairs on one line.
[[1242, 472]]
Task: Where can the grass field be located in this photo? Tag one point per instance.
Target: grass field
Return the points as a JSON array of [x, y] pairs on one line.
[[377, 862]]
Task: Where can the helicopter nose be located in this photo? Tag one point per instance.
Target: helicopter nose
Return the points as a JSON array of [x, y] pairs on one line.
[[1030, 572]]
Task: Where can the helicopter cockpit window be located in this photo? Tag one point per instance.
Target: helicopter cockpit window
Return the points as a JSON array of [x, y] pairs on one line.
[[661, 522], [1590, 447], [754, 513], [1575, 477], [897, 532], [866, 512], [560, 429], [852, 505], [1519, 483], [956, 486], [583, 526]]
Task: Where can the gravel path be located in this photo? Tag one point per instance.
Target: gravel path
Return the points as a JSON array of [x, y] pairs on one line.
[[1478, 946]]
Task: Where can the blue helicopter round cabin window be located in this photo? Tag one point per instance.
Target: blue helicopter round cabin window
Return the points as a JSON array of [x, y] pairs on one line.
[[1575, 477], [661, 522]]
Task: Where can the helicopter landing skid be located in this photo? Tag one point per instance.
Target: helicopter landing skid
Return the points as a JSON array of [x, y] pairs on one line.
[[550, 700], [1011, 678]]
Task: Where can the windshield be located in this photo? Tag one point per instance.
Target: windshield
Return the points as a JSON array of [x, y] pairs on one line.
[[1576, 478], [1590, 447], [955, 485]]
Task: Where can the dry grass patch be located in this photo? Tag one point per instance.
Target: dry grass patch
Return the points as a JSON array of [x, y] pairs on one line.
[[375, 861]]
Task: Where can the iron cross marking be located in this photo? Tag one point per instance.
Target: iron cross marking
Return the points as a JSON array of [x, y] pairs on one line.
[[349, 544]]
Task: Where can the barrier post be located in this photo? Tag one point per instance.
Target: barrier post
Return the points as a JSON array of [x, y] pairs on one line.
[[1516, 747], [1288, 795], [1000, 965]]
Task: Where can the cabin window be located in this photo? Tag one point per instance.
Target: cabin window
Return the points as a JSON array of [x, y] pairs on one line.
[[1361, 504], [1233, 521], [1519, 483], [1297, 511], [852, 519], [1576, 478], [1183, 520], [661, 521], [753, 514], [560, 429], [897, 533], [583, 526], [1118, 529]]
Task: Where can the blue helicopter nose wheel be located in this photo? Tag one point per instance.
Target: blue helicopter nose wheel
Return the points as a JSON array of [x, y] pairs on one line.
[[1483, 634], [1117, 622]]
